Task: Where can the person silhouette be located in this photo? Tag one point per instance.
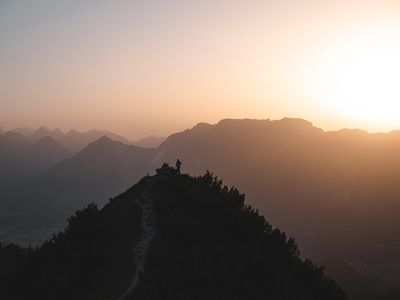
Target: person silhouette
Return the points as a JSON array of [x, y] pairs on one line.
[[178, 166]]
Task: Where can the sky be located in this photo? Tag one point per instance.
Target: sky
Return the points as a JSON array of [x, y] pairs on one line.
[[156, 67]]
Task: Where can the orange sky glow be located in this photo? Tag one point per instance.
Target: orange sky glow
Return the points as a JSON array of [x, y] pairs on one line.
[[161, 66]]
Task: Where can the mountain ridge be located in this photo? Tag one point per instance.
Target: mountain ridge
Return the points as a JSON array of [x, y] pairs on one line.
[[208, 245], [303, 179], [94, 174]]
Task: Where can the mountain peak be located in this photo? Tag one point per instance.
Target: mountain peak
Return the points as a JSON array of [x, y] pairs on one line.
[[48, 149], [104, 140], [149, 141], [46, 141], [25, 131], [202, 125], [103, 143], [15, 137], [285, 122], [295, 122], [43, 131], [164, 236]]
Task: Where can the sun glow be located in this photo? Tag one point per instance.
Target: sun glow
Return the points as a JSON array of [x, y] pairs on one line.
[[359, 78]]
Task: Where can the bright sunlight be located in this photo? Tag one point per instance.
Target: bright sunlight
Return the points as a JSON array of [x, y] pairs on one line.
[[360, 77]]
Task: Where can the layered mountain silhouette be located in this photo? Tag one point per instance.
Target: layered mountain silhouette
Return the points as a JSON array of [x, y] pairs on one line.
[[304, 179], [73, 140], [98, 172], [77, 140], [42, 132], [149, 142], [335, 192], [309, 177], [15, 137], [25, 131], [206, 244], [21, 161]]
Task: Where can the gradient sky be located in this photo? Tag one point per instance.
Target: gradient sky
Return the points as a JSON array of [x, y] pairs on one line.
[[154, 67]]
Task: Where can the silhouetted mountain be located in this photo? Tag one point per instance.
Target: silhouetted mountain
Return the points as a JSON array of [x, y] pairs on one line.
[[305, 173], [78, 140], [96, 173], [46, 151], [42, 132], [149, 142], [336, 192], [21, 161], [16, 137], [73, 140], [10, 152], [305, 180], [25, 131], [203, 243]]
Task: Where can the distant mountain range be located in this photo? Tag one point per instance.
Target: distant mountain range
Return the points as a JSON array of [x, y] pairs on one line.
[[149, 142], [21, 161], [28, 159], [76, 141], [302, 173], [101, 170], [306, 179], [336, 192]]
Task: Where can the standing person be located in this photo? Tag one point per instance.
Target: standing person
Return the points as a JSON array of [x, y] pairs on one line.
[[178, 166]]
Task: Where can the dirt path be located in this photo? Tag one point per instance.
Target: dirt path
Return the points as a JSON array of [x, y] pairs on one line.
[[145, 202]]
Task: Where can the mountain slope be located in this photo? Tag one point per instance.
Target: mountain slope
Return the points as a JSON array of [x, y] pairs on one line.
[[304, 179], [21, 160], [149, 142], [48, 152], [11, 165], [79, 140], [207, 245], [309, 177], [73, 140], [101, 170], [42, 132], [16, 137]]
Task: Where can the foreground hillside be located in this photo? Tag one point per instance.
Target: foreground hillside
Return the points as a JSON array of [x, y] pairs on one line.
[[206, 244]]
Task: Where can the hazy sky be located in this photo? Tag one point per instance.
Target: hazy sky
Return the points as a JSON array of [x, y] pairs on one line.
[[153, 67]]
